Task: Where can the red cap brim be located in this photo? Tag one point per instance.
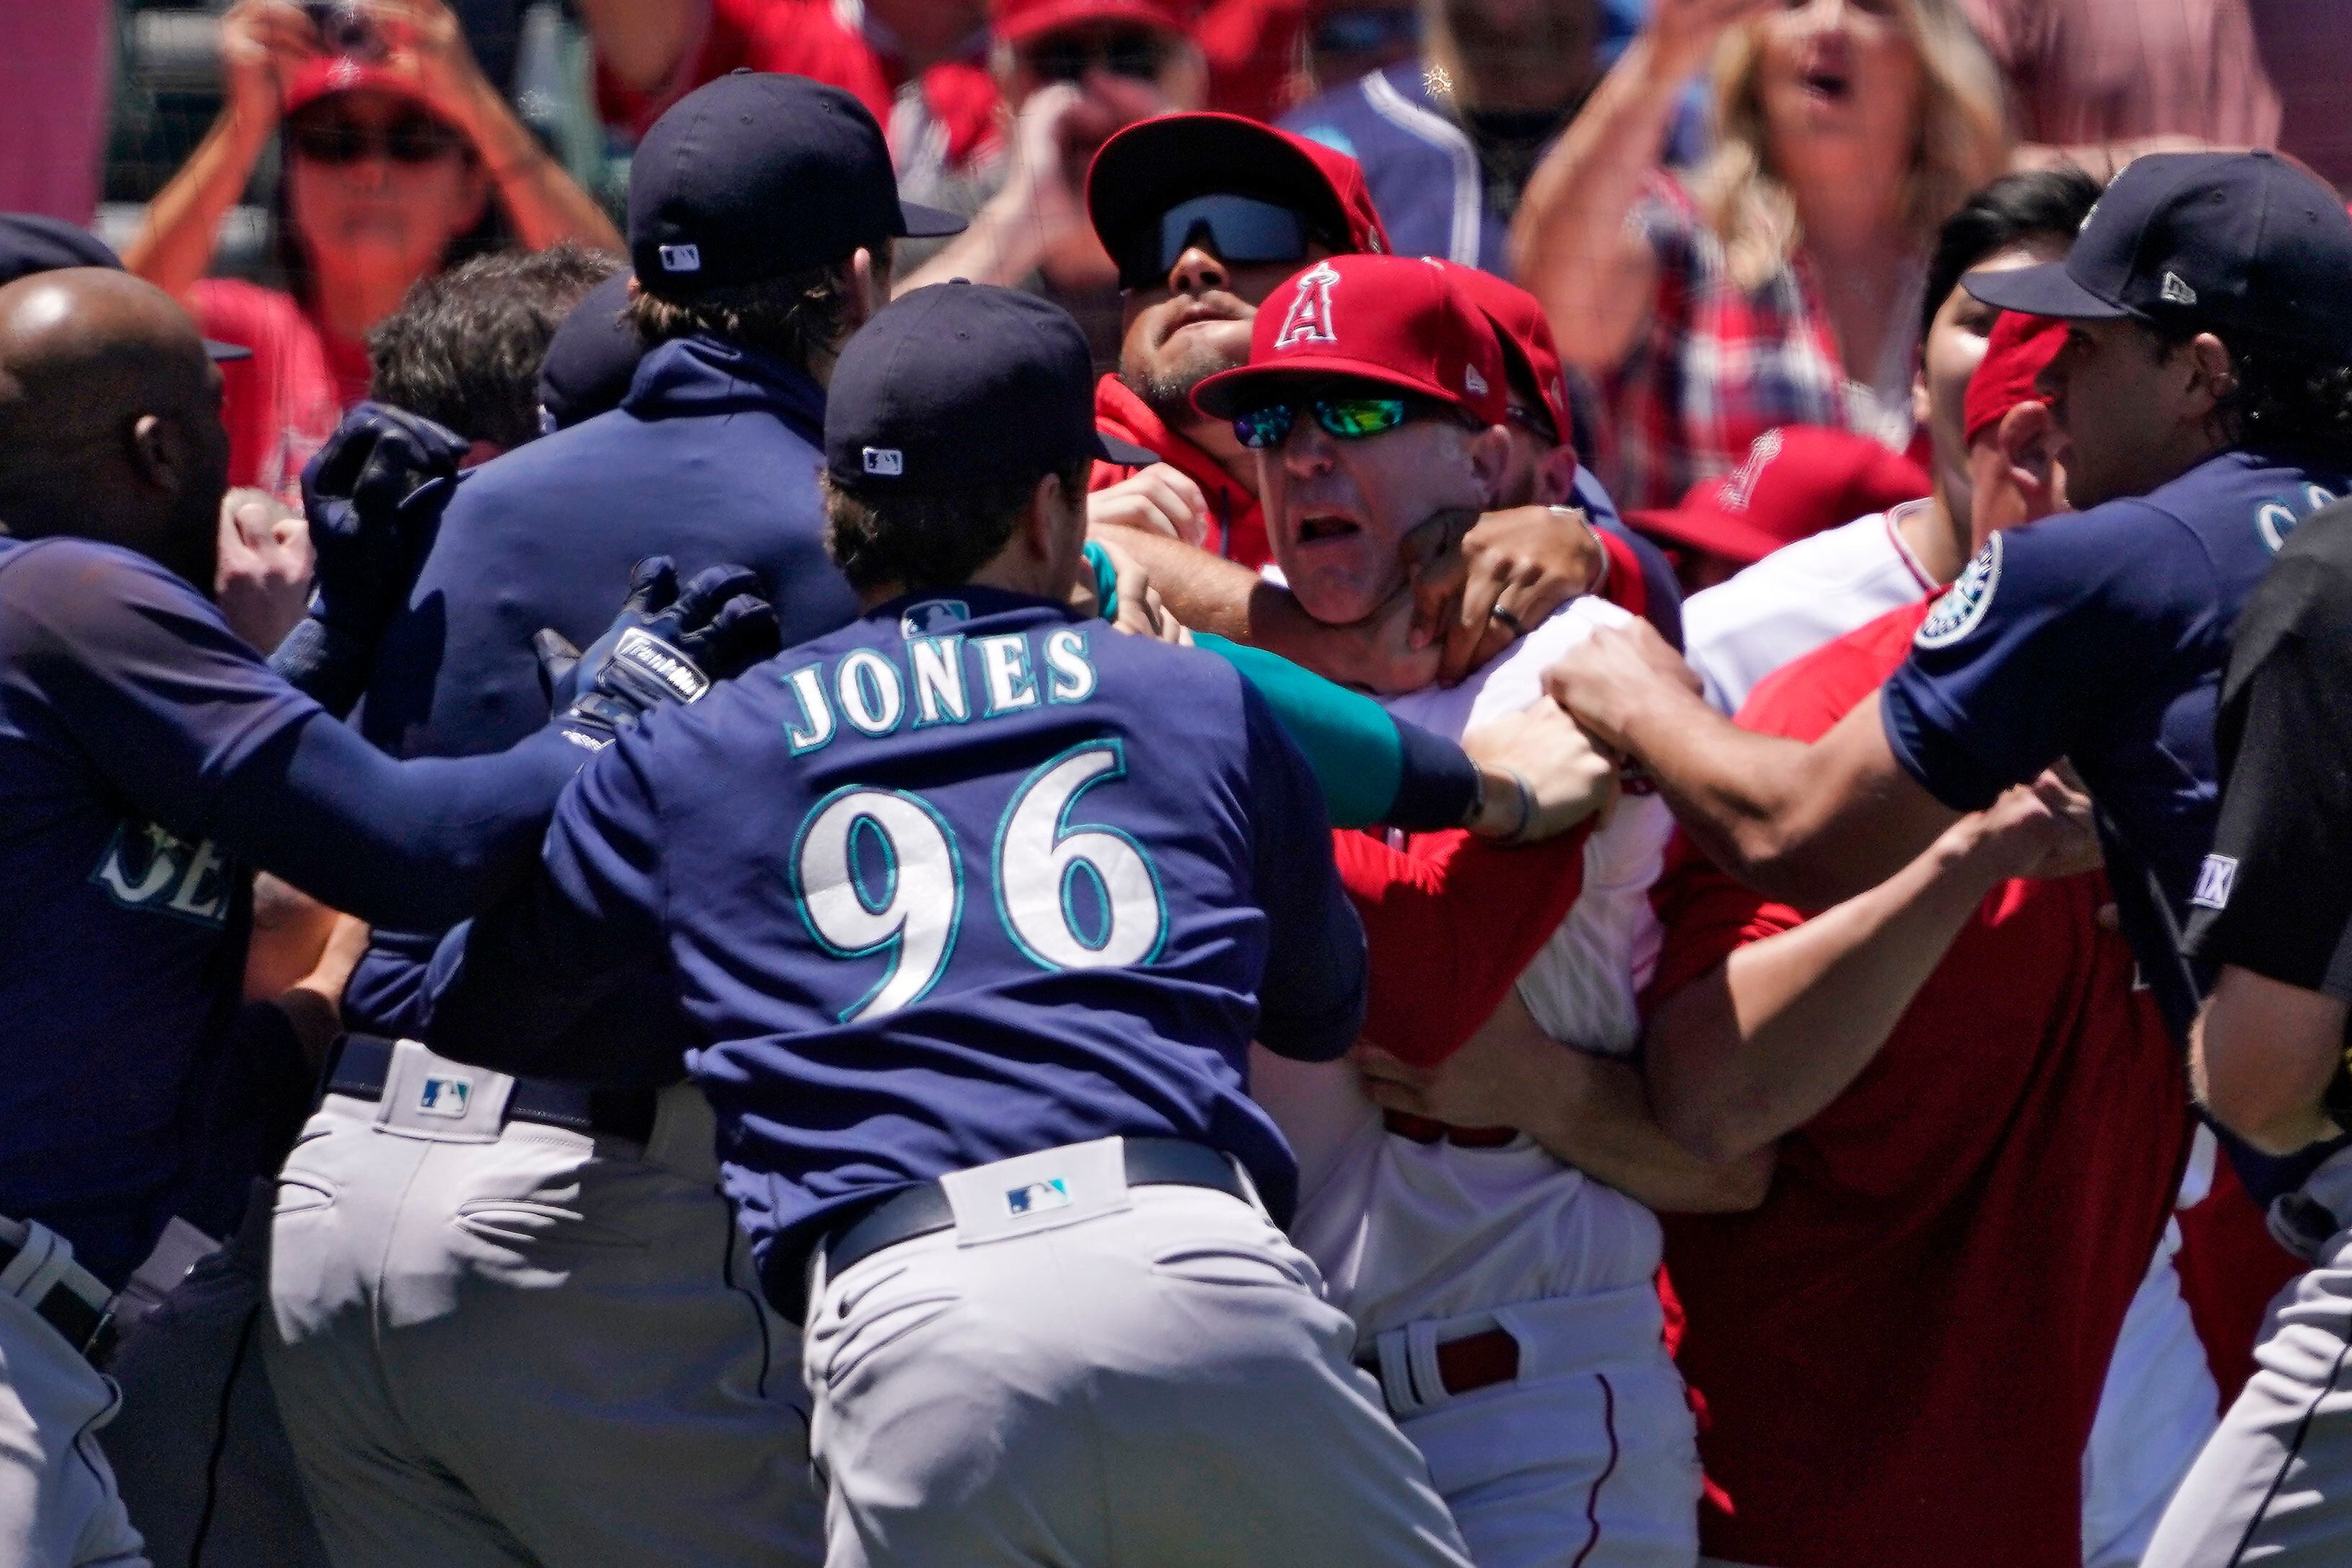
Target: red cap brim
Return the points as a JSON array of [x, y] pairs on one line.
[[1704, 529], [1228, 392], [1034, 21], [328, 76]]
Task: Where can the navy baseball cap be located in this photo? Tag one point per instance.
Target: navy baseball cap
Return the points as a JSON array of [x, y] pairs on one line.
[[755, 176], [963, 385], [2237, 242], [31, 242], [592, 358]]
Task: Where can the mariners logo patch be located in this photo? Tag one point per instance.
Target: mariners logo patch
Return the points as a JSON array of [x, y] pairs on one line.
[[2215, 879], [1957, 613], [1309, 321]]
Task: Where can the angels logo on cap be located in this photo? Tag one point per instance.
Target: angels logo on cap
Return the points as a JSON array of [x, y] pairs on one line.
[[1309, 317]]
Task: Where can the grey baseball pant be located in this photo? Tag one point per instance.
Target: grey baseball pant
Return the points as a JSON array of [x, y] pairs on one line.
[[498, 1342], [1141, 1377], [2273, 1486], [59, 1506]]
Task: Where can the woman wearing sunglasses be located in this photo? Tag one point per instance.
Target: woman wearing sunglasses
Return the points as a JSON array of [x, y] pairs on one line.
[[393, 145]]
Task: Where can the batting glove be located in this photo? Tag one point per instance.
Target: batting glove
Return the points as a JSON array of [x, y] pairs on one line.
[[666, 646]]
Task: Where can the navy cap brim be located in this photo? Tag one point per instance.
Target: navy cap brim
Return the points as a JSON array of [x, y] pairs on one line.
[[927, 223], [1111, 449], [218, 350], [2044, 291]]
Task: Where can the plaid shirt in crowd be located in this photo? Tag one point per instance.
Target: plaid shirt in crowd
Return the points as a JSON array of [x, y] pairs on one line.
[[1718, 366]]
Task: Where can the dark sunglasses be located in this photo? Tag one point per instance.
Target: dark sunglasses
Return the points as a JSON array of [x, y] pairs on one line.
[[1237, 229], [1137, 55], [411, 139], [1343, 418]]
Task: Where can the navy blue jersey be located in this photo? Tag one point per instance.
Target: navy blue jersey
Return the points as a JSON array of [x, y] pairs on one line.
[[970, 878], [140, 739], [2101, 636], [711, 458]]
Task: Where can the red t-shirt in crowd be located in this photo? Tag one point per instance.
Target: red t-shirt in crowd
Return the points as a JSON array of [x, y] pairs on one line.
[[281, 404], [807, 37], [1901, 1353]]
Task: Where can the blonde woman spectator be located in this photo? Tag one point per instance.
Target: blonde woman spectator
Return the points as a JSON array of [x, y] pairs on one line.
[[398, 159], [1781, 283]]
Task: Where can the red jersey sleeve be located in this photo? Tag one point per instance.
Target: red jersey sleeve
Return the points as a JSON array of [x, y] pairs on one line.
[[1452, 922], [1706, 916], [1624, 584]]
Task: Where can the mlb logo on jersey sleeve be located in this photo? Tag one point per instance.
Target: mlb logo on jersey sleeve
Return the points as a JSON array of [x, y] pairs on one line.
[[1308, 320], [2216, 879]]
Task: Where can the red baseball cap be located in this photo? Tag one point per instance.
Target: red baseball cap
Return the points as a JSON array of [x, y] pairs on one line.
[[1018, 21], [1400, 321], [1159, 163], [1518, 320], [2018, 350], [1797, 481], [328, 75]]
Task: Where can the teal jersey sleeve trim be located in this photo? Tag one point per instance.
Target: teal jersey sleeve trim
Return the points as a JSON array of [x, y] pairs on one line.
[[1350, 740]]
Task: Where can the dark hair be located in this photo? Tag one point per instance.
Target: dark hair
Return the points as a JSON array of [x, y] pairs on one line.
[[2045, 203], [933, 540], [2287, 398], [491, 232], [797, 318], [463, 348]]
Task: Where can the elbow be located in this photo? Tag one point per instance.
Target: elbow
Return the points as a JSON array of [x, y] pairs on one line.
[[2257, 1112], [1738, 1186]]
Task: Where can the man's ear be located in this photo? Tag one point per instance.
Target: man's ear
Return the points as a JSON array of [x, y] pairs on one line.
[[2213, 372], [2031, 445], [159, 454], [1555, 477], [869, 287], [1490, 460], [1921, 408]]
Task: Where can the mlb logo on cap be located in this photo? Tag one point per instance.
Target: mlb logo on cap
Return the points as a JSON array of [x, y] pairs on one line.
[[681, 258], [888, 460]]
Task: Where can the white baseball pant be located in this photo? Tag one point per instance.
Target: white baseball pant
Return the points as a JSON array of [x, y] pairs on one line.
[[1145, 1377], [500, 1342], [58, 1508]]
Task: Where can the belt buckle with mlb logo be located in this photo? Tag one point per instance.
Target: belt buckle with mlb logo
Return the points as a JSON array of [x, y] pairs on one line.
[[447, 1096]]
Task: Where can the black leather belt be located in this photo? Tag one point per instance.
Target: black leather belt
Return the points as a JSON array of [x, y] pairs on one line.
[[361, 1063], [78, 1305], [923, 1210]]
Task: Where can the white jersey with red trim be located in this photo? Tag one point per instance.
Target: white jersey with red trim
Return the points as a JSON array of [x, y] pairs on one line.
[[1796, 598], [1405, 1230]]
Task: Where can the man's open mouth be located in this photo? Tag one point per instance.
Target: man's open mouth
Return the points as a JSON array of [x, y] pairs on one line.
[[1325, 527]]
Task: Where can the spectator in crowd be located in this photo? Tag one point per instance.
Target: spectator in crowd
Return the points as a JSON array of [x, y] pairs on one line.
[[920, 67], [1073, 72], [465, 348], [2269, 1053], [1781, 283], [2308, 52], [1449, 137], [398, 157], [1350, 39], [1802, 595], [2098, 82], [55, 80]]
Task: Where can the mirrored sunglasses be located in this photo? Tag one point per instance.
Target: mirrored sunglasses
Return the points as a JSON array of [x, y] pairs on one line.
[[1344, 418]]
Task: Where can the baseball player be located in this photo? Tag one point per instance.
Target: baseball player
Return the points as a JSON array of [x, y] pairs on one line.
[[1206, 214], [2270, 1055], [1506, 1299], [984, 910], [148, 752]]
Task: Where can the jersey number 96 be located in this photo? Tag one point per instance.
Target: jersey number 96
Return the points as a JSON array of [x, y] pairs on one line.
[[911, 911]]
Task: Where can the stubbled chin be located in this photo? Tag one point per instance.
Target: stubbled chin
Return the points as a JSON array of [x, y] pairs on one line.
[[1331, 593]]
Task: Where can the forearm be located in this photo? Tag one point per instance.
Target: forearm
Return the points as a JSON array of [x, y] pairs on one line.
[[642, 42], [1598, 1119], [544, 202], [1568, 242], [415, 845], [2262, 1056], [1002, 244], [1806, 823], [174, 242], [1759, 1045]]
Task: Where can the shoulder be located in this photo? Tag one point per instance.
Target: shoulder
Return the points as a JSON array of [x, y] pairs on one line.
[[1335, 118], [1805, 697], [81, 597], [232, 309]]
